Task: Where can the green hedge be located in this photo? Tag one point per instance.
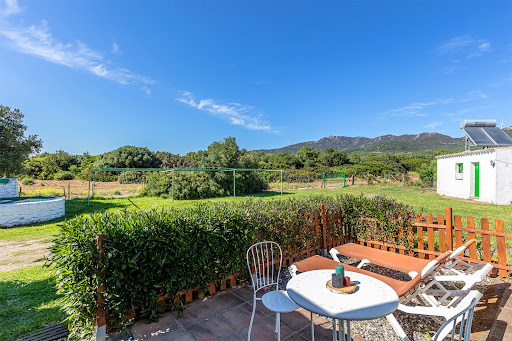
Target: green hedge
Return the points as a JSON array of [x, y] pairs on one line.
[[151, 252]]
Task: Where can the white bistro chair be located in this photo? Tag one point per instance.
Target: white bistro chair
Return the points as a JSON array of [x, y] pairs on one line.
[[261, 259]]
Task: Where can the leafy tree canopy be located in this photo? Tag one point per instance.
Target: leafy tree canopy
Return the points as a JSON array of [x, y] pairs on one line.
[[15, 147], [129, 157]]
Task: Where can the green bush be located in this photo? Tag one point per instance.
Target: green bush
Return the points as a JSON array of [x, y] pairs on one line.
[[27, 181], [64, 175], [131, 177], [199, 185], [428, 172], [149, 253]]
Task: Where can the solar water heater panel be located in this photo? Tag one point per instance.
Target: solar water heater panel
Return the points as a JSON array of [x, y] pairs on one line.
[[499, 136], [477, 135]]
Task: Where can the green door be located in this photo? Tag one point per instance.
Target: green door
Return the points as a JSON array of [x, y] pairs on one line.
[[477, 179]]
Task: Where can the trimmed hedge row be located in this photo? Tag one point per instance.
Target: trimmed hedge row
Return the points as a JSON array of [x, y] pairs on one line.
[[154, 252]]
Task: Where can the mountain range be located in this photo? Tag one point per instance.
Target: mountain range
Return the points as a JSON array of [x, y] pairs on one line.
[[420, 143]]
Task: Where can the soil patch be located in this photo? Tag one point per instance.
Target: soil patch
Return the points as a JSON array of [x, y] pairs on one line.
[[17, 255]]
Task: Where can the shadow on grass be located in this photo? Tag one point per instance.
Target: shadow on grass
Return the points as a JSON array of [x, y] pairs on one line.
[[28, 305]]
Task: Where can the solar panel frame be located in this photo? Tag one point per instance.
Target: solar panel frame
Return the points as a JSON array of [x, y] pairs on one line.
[[499, 136], [478, 136]]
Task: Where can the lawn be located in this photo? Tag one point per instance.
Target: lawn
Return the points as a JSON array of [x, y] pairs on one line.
[[27, 293]]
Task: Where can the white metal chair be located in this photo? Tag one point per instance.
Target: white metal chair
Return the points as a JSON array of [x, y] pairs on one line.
[[261, 261], [465, 317]]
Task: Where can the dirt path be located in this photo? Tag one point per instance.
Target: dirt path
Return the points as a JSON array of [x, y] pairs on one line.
[[17, 255]]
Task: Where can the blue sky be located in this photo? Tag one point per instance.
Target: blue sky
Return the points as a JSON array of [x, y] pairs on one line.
[[176, 75]]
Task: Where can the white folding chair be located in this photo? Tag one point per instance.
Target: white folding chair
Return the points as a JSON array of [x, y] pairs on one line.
[[261, 261]]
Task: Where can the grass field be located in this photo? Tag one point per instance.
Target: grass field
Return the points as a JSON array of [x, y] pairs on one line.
[[28, 298]]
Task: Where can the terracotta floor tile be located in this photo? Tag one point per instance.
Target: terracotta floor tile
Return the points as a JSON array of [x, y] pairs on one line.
[[178, 335], [323, 331], [240, 316], [223, 302], [194, 313], [244, 293], [142, 330], [296, 320], [264, 330], [211, 328]]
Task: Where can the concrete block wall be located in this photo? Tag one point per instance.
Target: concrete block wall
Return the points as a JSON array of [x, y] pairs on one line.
[[31, 212], [10, 189]]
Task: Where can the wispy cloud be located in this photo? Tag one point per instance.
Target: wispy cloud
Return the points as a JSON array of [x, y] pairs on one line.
[[146, 90], [115, 48], [234, 113], [464, 46], [433, 125], [9, 7], [414, 109], [423, 109], [473, 95], [38, 41]]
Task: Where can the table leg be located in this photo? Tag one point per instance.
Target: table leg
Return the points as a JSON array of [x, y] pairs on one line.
[[349, 336], [334, 338], [341, 332]]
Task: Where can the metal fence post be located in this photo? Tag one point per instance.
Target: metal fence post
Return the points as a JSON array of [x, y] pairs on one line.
[[101, 325], [323, 249]]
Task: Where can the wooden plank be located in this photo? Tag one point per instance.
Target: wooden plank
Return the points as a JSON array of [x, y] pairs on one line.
[[430, 235], [322, 215], [401, 238], [500, 244], [478, 261], [100, 286], [441, 234], [471, 235], [317, 228], [212, 288], [376, 246], [419, 219], [410, 236], [486, 241], [449, 229], [458, 233], [188, 295], [489, 233], [426, 225]]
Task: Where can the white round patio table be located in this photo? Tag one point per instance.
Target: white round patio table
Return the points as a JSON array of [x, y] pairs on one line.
[[373, 298]]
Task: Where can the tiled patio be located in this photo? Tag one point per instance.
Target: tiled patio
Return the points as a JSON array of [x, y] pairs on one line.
[[226, 316]]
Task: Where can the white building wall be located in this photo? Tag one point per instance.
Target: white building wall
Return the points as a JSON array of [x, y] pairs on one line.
[[447, 184], [504, 176], [10, 189], [31, 212]]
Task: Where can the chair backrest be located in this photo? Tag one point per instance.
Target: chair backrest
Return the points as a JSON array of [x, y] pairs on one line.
[[261, 261], [463, 315]]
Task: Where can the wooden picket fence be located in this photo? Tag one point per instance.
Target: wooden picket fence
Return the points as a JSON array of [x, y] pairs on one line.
[[433, 236], [322, 230]]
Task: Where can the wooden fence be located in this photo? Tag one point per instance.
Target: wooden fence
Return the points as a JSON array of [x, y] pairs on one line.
[[322, 230], [432, 236]]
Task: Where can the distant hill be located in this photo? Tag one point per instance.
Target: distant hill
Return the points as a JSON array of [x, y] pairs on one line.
[[508, 130], [420, 143]]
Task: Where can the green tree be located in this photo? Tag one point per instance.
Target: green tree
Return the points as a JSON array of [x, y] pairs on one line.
[[15, 147], [307, 156], [129, 157], [428, 172], [222, 154]]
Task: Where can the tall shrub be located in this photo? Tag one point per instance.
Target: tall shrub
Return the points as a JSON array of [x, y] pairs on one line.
[[150, 253]]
